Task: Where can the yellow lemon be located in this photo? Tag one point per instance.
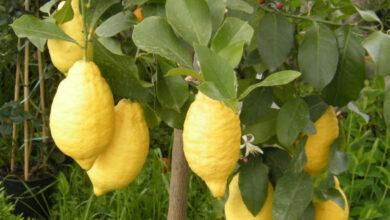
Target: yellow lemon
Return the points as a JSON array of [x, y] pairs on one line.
[[318, 145], [122, 160], [235, 208], [211, 139], [82, 114], [329, 210], [64, 54]]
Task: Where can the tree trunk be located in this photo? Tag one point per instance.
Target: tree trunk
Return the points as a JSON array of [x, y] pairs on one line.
[[179, 180]]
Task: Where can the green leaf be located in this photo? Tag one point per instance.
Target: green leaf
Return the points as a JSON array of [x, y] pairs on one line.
[[129, 3], [264, 128], [253, 183], [318, 56], [278, 161], [338, 160], [323, 182], [275, 39], [233, 104], [185, 72], [233, 53], [378, 47], [233, 30], [151, 116], [293, 193], [172, 117], [284, 93], [310, 128], [113, 45], [309, 213], [190, 19], [154, 35], [299, 160], [230, 38], [65, 13], [215, 69], [47, 6], [275, 79], [292, 118], [386, 108], [38, 42], [116, 23], [30, 26], [211, 90], [351, 69], [172, 91], [217, 12], [369, 16], [335, 196], [317, 106], [96, 10], [239, 5], [121, 74], [150, 10], [256, 104]]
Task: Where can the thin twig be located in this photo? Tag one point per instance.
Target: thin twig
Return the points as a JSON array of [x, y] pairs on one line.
[[85, 48], [42, 96], [26, 92], [16, 97], [308, 18]]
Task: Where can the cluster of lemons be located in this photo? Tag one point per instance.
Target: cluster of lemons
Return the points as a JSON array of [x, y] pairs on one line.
[[211, 145], [110, 142]]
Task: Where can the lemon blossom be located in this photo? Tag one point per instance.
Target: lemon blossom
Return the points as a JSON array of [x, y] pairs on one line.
[[249, 147]]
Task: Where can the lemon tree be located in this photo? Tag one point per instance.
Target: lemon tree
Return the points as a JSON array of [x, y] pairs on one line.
[[256, 87]]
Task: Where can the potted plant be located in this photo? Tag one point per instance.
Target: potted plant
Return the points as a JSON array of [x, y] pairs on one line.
[[26, 151]]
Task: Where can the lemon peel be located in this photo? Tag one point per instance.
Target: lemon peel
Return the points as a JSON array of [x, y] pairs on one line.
[[235, 208], [122, 160], [82, 114], [318, 145], [64, 54], [211, 138], [330, 210]]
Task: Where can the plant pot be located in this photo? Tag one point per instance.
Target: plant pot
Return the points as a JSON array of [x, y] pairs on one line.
[[31, 198]]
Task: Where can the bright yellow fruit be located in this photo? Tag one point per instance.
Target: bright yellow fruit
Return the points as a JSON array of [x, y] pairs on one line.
[[64, 54], [235, 208], [318, 145], [211, 138], [329, 210], [82, 114], [122, 160]]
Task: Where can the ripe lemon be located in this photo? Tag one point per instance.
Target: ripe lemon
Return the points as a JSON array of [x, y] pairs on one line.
[[235, 208], [64, 54], [138, 14], [122, 160], [82, 114], [318, 145], [211, 139], [329, 210]]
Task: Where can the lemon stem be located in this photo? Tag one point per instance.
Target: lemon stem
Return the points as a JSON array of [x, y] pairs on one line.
[[85, 48]]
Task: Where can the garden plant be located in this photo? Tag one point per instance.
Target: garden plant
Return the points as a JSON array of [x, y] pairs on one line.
[[270, 109]]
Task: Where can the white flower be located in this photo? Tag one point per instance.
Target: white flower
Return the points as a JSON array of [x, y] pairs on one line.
[[250, 148]]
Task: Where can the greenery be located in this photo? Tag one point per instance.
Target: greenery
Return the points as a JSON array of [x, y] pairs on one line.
[[280, 64], [367, 180], [5, 207]]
